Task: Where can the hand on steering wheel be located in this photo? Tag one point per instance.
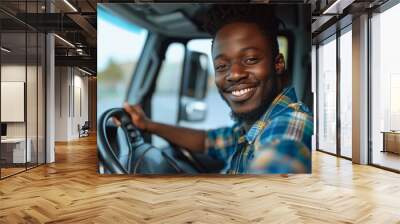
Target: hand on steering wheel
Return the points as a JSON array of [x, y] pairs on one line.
[[142, 122], [142, 157], [106, 152], [138, 117]]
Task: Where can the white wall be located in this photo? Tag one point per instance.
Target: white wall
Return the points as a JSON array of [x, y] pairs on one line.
[[13, 73], [80, 100], [61, 114], [71, 94]]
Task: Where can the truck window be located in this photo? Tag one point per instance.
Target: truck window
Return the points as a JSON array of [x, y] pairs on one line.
[[217, 109], [164, 103], [117, 57]]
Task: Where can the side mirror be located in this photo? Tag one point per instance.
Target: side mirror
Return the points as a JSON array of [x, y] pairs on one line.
[[194, 87], [193, 110], [195, 75]]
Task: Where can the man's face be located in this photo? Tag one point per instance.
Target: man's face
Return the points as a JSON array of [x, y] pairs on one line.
[[243, 66]]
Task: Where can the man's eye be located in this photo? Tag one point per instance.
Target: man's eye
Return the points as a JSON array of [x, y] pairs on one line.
[[220, 68], [251, 61]]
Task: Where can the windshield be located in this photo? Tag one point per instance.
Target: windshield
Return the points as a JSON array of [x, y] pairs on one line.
[[117, 57]]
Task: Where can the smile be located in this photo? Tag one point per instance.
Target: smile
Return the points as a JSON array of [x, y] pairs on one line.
[[241, 95], [241, 92]]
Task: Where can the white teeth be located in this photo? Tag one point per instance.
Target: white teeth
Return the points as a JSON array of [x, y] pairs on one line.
[[241, 92]]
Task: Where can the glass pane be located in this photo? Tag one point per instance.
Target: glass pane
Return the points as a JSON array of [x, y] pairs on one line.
[[116, 62], [31, 98], [164, 104], [346, 94], [327, 96], [385, 85], [32, 88], [41, 99], [14, 153], [23, 87]]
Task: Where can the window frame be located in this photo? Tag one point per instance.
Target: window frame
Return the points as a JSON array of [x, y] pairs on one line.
[[333, 37], [379, 10]]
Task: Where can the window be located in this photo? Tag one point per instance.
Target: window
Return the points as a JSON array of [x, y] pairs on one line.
[[22, 76], [385, 88], [165, 102], [14, 71], [165, 99], [117, 57], [346, 94], [394, 102], [217, 109], [327, 96]]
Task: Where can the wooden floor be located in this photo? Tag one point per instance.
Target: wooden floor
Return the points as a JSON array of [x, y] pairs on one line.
[[10, 171], [71, 191]]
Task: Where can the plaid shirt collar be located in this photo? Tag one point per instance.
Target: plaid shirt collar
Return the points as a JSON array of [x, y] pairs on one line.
[[280, 103]]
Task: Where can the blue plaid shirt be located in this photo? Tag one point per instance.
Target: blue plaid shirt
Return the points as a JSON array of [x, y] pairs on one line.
[[280, 142]]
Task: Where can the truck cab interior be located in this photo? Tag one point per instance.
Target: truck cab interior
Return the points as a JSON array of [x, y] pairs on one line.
[[125, 149]]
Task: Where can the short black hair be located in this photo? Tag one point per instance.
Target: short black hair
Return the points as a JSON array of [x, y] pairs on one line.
[[262, 15]]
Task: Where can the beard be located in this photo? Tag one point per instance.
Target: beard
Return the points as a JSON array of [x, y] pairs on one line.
[[252, 116]]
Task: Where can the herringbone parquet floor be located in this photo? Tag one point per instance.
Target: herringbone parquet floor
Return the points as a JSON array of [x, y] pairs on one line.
[[71, 191]]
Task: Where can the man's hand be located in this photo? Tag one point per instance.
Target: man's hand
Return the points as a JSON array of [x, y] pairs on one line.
[[138, 117], [187, 138]]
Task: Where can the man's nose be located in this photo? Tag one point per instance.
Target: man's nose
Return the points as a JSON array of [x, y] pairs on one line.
[[237, 72]]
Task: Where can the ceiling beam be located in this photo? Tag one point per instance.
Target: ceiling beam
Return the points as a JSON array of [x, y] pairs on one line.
[[86, 26], [81, 61]]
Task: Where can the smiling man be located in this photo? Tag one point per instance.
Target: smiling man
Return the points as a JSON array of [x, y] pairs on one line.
[[272, 133]]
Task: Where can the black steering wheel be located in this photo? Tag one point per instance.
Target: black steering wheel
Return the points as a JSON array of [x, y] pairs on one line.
[[135, 156]]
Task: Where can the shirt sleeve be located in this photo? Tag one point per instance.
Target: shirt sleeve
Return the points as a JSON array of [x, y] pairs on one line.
[[284, 145], [220, 143]]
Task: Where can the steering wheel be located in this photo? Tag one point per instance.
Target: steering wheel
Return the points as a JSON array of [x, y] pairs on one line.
[[135, 156]]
